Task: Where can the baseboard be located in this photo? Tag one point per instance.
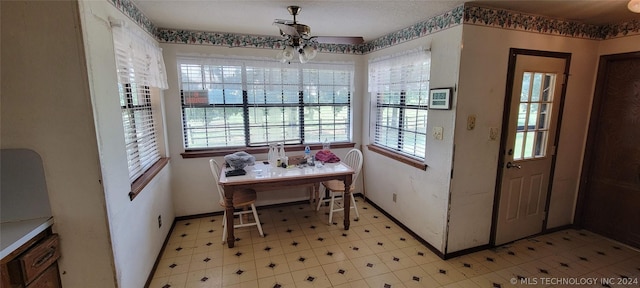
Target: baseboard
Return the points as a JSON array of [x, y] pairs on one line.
[[489, 246], [466, 251], [155, 264], [405, 228], [217, 213], [560, 228]]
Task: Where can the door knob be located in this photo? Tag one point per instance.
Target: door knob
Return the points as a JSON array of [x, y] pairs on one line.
[[511, 165]]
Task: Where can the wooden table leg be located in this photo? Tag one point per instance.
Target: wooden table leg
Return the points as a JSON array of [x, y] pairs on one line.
[[228, 203], [316, 192], [347, 201]]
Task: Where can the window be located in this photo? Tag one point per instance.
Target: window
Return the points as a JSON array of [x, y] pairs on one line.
[[139, 67], [536, 100], [139, 130], [241, 102], [400, 86]]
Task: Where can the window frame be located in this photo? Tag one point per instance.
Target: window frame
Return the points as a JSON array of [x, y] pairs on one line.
[[534, 128], [380, 86], [301, 105], [148, 171], [139, 66], [402, 120]]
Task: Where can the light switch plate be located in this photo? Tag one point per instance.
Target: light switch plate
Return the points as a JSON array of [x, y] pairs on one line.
[[437, 133], [471, 122]]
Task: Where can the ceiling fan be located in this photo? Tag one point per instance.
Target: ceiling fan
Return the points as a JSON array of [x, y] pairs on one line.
[[298, 38]]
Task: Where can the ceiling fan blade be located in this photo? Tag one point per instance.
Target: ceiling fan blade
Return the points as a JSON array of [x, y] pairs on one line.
[[282, 21], [339, 40], [287, 29]]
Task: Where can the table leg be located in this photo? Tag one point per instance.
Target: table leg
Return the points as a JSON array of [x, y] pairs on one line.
[[347, 201], [228, 203], [316, 192]]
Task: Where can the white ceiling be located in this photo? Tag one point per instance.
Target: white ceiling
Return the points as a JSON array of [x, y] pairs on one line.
[[367, 18]]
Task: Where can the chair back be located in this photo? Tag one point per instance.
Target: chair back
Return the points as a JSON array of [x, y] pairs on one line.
[[354, 160], [215, 170]]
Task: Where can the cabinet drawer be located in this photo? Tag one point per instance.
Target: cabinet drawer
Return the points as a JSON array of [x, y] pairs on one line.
[[48, 279], [39, 258]]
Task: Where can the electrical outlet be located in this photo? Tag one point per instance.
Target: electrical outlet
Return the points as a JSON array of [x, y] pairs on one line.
[[159, 221], [437, 133], [394, 197], [493, 134]]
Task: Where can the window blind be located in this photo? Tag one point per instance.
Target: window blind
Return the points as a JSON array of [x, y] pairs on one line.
[[230, 102], [400, 86], [139, 67], [327, 96], [138, 59]]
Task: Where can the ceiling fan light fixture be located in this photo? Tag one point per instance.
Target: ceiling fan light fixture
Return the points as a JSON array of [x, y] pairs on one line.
[[306, 52], [287, 53], [634, 6], [281, 58], [303, 58], [297, 38], [310, 52]]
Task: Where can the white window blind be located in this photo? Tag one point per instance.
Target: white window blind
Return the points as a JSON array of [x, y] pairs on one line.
[[327, 92], [400, 86], [138, 58], [231, 102], [139, 67]]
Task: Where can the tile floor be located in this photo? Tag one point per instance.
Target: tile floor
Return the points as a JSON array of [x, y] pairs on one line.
[[301, 250]]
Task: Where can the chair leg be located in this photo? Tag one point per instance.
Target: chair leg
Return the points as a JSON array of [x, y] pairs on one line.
[[255, 217], [224, 227], [244, 217], [319, 197], [353, 200], [333, 198]]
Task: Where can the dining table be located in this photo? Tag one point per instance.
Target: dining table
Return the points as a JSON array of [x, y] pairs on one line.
[[263, 177]]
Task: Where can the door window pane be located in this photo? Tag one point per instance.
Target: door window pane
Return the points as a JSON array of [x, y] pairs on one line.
[[526, 83], [534, 114], [522, 116], [535, 91]]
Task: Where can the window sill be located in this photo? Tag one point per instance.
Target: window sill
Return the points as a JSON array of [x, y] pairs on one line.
[[396, 156], [142, 181], [257, 150]]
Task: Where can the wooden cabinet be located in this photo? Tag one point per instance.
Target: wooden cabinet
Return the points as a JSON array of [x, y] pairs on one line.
[[50, 278], [34, 264]]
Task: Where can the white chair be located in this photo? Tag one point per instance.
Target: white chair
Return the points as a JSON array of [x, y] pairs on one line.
[[241, 199], [336, 187]]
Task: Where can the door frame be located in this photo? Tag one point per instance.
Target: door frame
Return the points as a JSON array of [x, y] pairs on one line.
[[511, 66], [587, 157]]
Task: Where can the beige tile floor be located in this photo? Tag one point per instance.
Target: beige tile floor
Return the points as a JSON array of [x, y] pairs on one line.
[[301, 250]]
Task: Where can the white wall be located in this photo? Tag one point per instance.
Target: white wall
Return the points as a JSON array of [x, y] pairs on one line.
[[619, 45], [136, 238], [481, 92], [46, 107], [422, 196], [192, 183]]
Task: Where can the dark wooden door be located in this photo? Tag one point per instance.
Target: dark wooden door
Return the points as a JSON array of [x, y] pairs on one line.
[[610, 190]]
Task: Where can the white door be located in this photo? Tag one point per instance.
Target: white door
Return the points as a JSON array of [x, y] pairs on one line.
[[529, 146]]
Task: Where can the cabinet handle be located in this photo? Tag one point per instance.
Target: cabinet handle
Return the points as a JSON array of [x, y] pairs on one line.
[[45, 257]]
